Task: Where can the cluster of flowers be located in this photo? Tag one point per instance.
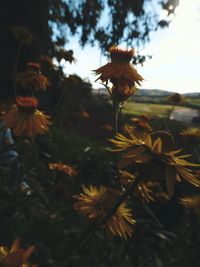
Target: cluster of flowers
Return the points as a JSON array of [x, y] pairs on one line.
[[150, 153], [24, 118]]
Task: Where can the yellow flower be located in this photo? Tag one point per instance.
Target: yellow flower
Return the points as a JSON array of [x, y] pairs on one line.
[[153, 149], [63, 167], [15, 257], [191, 135], [122, 91], [119, 69], [190, 201], [32, 78], [140, 126], [95, 203], [25, 119]]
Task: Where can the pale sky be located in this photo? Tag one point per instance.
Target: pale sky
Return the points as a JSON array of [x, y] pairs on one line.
[[175, 65]]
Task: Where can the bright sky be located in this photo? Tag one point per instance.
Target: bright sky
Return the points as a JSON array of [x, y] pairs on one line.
[[175, 65]]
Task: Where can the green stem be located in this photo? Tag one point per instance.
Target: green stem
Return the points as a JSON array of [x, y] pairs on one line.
[[116, 114], [171, 110]]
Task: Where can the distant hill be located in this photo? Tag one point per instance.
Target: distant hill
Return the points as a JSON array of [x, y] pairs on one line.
[[153, 92], [149, 93], [162, 93]]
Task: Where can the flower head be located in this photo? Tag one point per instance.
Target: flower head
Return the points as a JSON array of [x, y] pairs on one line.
[[140, 126], [32, 79], [119, 69], [122, 91], [32, 66], [15, 257], [121, 55], [176, 98], [25, 119], [64, 168], [95, 203], [153, 149]]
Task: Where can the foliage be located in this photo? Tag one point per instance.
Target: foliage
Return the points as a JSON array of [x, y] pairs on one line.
[[70, 200]]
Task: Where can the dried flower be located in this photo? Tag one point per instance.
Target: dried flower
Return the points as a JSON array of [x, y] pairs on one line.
[[15, 257], [140, 126], [71, 171], [119, 69], [32, 66], [123, 91], [67, 55], [191, 201], [25, 119], [32, 78], [95, 203], [144, 151], [175, 98]]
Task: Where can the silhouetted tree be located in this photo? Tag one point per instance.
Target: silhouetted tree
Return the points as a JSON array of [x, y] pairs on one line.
[[53, 22]]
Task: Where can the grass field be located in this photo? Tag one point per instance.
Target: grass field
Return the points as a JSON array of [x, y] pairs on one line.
[[153, 110]]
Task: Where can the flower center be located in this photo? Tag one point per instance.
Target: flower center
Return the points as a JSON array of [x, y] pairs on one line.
[[26, 104], [121, 55]]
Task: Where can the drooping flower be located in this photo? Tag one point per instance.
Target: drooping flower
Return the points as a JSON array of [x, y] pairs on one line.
[[71, 171], [25, 119], [119, 69], [154, 150], [176, 99], [32, 79], [95, 203], [16, 256]]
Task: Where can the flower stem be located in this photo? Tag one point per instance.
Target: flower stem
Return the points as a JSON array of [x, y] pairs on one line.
[[16, 67], [171, 110]]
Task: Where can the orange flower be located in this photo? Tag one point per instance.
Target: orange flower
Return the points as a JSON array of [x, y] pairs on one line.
[[32, 66], [32, 78], [119, 69], [15, 257], [123, 91], [176, 98], [25, 119], [63, 167], [140, 126], [156, 150], [95, 203]]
